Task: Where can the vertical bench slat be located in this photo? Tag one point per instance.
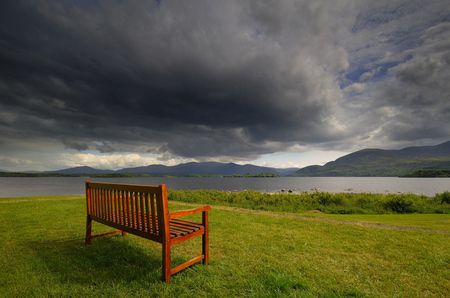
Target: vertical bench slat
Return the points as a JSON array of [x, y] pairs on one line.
[[160, 212], [147, 213], [100, 203], [102, 196], [97, 205], [142, 213], [114, 205], [154, 230], [116, 213], [119, 207], [105, 204], [122, 198], [129, 224], [92, 195], [93, 200], [124, 206], [108, 204], [133, 220], [128, 208], [112, 202], [136, 213], [124, 210]]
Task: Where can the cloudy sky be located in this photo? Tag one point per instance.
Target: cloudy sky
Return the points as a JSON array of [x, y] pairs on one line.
[[114, 84]]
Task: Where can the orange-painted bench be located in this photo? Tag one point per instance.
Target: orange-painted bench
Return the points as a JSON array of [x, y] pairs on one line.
[[143, 211]]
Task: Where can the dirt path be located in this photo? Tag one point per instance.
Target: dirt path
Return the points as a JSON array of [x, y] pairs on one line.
[[331, 220]]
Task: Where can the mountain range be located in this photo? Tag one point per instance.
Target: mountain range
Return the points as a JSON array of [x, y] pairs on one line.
[[363, 163], [192, 168], [378, 162]]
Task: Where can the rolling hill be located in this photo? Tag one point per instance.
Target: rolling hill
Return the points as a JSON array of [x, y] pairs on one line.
[[378, 162]]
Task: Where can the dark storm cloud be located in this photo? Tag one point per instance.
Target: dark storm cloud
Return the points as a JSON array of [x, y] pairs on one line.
[[140, 67], [204, 79]]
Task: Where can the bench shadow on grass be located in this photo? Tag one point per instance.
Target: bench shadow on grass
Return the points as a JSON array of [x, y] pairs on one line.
[[109, 260]]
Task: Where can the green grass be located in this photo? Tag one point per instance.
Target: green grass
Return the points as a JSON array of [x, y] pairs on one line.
[[252, 255]]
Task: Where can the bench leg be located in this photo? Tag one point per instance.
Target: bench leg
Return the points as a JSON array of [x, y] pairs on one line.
[[166, 261], [87, 241], [124, 234], [205, 238]]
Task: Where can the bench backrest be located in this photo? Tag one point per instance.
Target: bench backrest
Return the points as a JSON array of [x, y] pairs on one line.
[[137, 207]]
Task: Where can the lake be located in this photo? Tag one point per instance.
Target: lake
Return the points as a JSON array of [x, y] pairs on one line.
[[47, 186]]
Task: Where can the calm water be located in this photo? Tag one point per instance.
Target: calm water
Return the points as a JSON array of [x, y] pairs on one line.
[[22, 187]]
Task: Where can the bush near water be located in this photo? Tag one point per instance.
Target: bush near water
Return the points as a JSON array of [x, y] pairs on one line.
[[338, 203]]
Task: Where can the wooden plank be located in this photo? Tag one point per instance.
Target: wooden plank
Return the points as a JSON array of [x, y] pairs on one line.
[[109, 201], [178, 232], [180, 213], [94, 196], [127, 195], [147, 213], [100, 202], [142, 209], [186, 223], [187, 227], [105, 234], [187, 264], [116, 208], [133, 210], [183, 228], [102, 195], [179, 239], [126, 187], [153, 215], [124, 209], [119, 207]]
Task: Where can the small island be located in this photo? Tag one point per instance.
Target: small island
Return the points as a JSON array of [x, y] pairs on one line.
[[270, 175]]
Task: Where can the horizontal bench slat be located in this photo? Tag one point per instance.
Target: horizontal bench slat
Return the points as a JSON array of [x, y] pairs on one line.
[[126, 187]]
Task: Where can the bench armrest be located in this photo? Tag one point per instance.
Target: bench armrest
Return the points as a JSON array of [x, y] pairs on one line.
[[180, 213]]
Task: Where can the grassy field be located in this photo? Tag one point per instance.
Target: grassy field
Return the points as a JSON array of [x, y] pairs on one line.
[[252, 255]]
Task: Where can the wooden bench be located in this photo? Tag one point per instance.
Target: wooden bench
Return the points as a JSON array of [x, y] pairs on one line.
[[143, 211]]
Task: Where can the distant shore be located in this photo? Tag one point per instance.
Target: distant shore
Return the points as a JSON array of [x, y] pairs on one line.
[[118, 175]]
